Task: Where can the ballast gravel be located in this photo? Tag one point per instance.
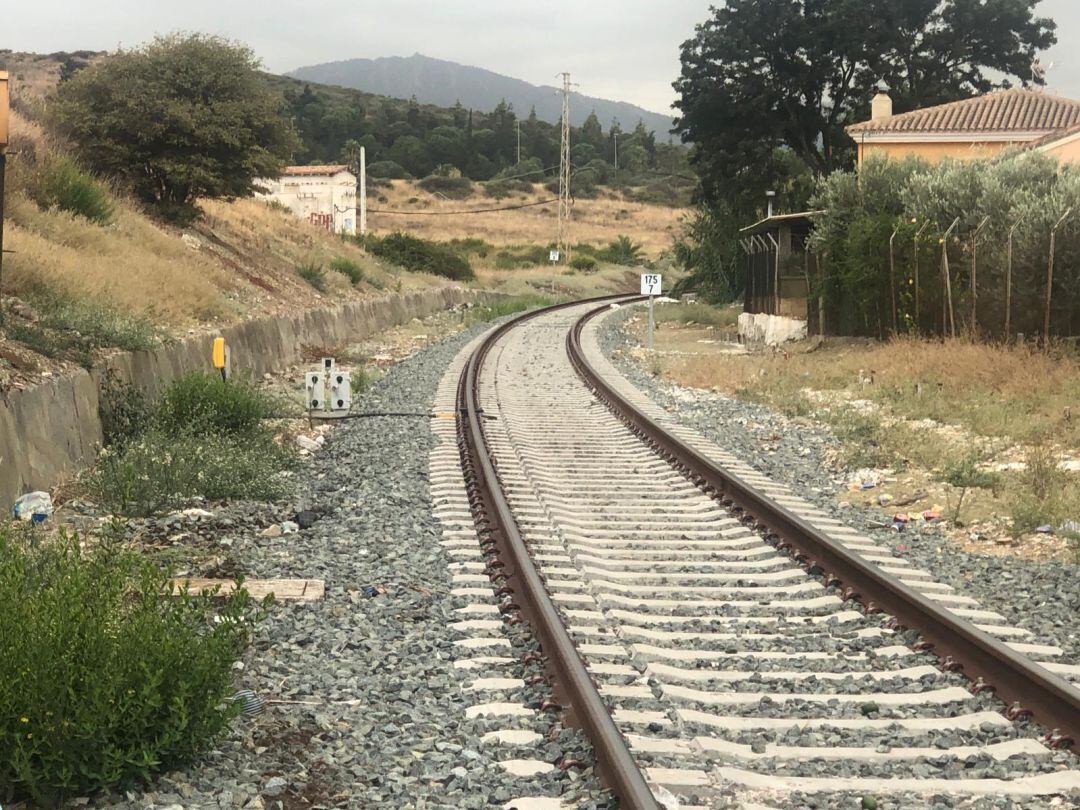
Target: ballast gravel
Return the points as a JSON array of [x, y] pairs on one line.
[[1042, 597], [364, 706]]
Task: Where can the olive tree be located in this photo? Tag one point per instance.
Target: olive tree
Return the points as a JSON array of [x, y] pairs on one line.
[[185, 117]]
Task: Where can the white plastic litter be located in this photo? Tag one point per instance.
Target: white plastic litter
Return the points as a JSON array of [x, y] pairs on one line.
[[35, 506]]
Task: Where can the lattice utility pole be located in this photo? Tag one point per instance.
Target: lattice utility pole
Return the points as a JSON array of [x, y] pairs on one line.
[[564, 173]]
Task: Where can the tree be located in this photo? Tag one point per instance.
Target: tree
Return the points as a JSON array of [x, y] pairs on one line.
[[591, 131], [762, 74], [182, 118]]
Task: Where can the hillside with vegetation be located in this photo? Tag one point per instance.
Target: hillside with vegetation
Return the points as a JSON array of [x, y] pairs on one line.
[[407, 139], [445, 83], [102, 261]]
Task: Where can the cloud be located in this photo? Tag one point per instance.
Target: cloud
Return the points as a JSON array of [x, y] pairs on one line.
[[626, 50]]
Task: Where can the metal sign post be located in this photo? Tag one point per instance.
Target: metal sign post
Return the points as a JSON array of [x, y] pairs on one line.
[[553, 255], [651, 286]]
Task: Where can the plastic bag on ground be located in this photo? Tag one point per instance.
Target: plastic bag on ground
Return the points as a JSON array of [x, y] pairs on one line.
[[33, 506]]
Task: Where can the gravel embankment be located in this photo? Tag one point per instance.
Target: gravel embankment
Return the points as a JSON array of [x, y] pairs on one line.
[[365, 706], [1042, 597]]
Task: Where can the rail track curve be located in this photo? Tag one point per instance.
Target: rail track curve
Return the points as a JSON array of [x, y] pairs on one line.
[[713, 634]]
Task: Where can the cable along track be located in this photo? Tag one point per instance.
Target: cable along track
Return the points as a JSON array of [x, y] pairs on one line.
[[712, 632]]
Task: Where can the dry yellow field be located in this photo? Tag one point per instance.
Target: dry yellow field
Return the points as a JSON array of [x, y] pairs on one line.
[[597, 221]]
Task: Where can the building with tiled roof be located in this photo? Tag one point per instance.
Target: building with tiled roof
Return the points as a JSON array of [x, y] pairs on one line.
[[325, 196], [979, 127]]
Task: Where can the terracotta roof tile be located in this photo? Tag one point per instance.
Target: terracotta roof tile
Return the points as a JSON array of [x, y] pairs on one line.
[[1015, 110], [1053, 137], [303, 171]]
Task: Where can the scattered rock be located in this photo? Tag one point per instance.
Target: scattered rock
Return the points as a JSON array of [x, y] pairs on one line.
[[274, 786], [307, 443]]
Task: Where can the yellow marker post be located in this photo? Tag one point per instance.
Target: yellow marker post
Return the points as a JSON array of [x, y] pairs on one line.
[[4, 107], [220, 357]]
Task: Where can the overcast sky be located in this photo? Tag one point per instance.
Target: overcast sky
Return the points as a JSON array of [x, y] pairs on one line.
[[627, 50]]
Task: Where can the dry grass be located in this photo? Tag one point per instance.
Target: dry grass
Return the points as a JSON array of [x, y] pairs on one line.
[[561, 284], [238, 261], [1015, 393], [922, 410], [597, 221], [132, 265]]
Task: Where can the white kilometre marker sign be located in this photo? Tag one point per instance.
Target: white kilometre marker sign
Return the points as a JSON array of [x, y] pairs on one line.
[[651, 286]]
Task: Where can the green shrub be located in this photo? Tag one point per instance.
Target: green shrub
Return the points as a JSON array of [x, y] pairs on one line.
[[420, 255], [104, 682], [455, 188], [62, 184], [125, 411], [348, 268], [963, 473], [204, 403], [47, 342], [522, 257], [313, 275], [158, 471], [67, 329], [504, 188], [1042, 492], [97, 326], [584, 263], [388, 170], [471, 244], [622, 251], [503, 307]]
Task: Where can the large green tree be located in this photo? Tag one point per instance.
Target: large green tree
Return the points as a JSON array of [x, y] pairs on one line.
[[761, 76], [185, 117]]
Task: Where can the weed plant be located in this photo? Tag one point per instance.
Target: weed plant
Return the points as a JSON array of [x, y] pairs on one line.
[[313, 274], [157, 471], [503, 307], [207, 404], [420, 255], [103, 681], [61, 184], [204, 438], [348, 268]]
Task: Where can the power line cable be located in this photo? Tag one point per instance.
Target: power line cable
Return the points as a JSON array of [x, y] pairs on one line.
[[466, 211]]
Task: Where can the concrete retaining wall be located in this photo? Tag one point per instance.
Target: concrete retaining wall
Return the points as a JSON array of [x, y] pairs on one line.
[[54, 429]]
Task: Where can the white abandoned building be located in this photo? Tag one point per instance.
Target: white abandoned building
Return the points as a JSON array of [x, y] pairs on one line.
[[323, 195]]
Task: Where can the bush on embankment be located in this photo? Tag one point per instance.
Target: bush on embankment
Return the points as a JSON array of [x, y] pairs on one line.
[[203, 438], [104, 679], [420, 255]]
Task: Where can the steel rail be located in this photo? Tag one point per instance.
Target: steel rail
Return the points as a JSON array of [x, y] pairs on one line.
[[991, 664], [509, 562]]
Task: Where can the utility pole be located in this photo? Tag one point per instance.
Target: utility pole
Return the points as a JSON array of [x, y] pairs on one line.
[[517, 122], [3, 171], [615, 135], [361, 215], [564, 172]]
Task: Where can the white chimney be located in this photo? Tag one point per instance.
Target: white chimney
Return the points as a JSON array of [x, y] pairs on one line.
[[881, 107]]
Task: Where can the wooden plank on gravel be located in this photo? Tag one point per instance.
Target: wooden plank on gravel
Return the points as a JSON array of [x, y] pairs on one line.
[[284, 590]]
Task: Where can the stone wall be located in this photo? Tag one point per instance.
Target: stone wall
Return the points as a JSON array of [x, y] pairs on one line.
[[53, 429], [771, 330]]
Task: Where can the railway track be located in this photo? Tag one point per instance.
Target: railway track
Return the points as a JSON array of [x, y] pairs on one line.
[[721, 641]]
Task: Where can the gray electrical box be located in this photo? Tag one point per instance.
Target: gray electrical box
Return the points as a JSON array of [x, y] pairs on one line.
[[316, 391], [340, 391], [329, 390]]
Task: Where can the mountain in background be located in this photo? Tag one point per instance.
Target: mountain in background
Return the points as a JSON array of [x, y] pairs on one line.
[[436, 81]]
